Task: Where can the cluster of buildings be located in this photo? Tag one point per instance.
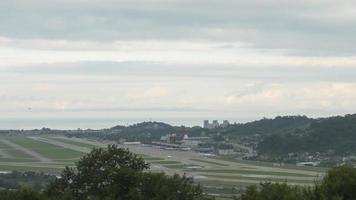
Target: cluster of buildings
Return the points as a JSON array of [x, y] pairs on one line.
[[198, 144], [183, 140], [215, 124]]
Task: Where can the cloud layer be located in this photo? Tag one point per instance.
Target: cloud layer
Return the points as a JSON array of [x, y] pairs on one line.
[[176, 59]]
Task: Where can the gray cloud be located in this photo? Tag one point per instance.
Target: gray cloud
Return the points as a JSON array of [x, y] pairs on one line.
[[157, 69], [109, 59], [303, 27]]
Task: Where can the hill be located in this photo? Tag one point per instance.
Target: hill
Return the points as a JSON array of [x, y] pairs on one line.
[[278, 125], [337, 134]]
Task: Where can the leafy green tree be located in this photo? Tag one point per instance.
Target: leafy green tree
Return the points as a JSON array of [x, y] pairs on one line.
[[274, 191], [96, 171], [117, 174], [339, 183]]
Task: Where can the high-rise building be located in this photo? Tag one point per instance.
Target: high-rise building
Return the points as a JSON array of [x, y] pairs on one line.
[[215, 124], [225, 123], [206, 124]]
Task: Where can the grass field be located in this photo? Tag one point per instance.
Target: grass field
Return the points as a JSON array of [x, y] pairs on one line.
[[209, 162], [46, 150], [24, 154], [69, 141]]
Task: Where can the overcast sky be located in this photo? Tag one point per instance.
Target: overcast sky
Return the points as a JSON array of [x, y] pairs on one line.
[[67, 64]]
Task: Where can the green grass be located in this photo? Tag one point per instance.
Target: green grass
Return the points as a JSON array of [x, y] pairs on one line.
[[152, 158], [270, 164], [164, 162], [143, 155], [274, 179], [209, 162], [51, 169], [255, 172], [72, 142], [174, 166], [45, 149], [14, 152], [222, 198], [17, 160], [17, 153], [219, 183], [180, 166], [3, 145]]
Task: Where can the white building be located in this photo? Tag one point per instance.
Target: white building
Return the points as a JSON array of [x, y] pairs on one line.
[[194, 141]]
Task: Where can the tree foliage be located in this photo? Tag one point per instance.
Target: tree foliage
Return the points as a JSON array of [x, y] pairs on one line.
[[338, 184], [117, 174], [336, 133]]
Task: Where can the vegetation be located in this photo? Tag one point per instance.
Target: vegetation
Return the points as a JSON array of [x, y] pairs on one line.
[[17, 180], [144, 132], [338, 184], [336, 133], [278, 125]]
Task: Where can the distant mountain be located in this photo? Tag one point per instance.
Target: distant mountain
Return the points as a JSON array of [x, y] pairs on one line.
[[333, 133]]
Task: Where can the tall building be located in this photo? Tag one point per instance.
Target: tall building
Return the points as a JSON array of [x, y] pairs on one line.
[[225, 123], [215, 124], [206, 124]]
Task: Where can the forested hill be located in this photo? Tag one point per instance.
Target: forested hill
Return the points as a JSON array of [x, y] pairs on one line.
[[334, 133], [281, 135], [278, 125], [152, 130]]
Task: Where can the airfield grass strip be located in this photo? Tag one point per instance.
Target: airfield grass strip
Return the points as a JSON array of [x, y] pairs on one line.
[[174, 166], [3, 145], [18, 154], [219, 183], [72, 142], [274, 179], [17, 160], [209, 162], [165, 162], [14, 152], [255, 172], [223, 198], [55, 170], [270, 164], [180, 166], [153, 158], [47, 150]]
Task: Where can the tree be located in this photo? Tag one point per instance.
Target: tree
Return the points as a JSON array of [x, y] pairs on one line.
[[274, 191], [116, 173], [339, 183]]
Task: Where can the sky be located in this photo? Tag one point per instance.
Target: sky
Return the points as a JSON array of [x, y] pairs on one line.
[[98, 63]]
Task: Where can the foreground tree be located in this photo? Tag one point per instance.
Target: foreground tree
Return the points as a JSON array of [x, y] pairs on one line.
[[339, 183], [116, 173]]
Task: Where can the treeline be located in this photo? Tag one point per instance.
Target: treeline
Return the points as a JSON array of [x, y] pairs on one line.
[[144, 132], [336, 133], [32, 180]]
